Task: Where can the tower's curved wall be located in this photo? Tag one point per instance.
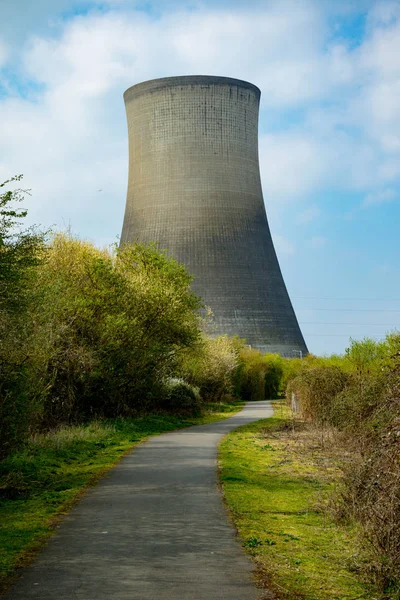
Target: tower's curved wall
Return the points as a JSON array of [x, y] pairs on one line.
[[194, 187]]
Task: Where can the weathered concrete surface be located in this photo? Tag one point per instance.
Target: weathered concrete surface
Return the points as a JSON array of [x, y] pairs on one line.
[[194, 187], [154, 529]]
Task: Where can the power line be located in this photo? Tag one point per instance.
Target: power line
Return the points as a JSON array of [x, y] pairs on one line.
[[356, 299], [353, 309], [347, 335], [343, 323]]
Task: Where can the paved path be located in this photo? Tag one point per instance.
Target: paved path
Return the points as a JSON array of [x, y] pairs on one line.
[[154, 529]]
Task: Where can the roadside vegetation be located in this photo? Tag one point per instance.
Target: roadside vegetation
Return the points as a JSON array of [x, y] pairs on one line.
[[315, 491], [99, 349], [276, 483], [41, 481], [89, 333]]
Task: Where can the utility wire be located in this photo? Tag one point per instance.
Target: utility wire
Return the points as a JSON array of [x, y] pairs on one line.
[[353, 309], [347, 335], [357, 299], [343, 323]]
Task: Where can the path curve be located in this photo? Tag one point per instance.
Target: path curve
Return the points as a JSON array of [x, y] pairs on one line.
[[154, 528]]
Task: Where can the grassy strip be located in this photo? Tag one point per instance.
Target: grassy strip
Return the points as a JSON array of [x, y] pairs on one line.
[[276, 482], [41, 481]]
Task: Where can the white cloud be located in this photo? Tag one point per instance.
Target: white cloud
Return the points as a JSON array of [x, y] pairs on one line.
[[291, 164], [383, 13], [390, 142], [111, 47], [381, 197], [283, 246], [341, 65], [373, 106], [308, 215], [71, 140]]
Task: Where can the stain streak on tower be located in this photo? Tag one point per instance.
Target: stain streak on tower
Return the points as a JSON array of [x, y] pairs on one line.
[[194, 188]]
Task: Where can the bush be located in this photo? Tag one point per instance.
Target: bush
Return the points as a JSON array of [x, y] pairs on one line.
[[251, 375], [372, 480], [180, 397], [20, 254], [258, 376], [359, 394], [273, 375], [353, 407], [316, 390], [210, 365], [116, 323], [84, 332]]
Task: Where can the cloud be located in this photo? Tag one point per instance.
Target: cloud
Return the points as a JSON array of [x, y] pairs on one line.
[[373, 105], [383, 13], [377, 198], [308, 215], [203, 41], [283, 246], [291, 165], [69, 137], [69, 134]]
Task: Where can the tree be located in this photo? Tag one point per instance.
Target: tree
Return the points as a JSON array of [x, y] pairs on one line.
[[116, 323], [20, 253], [210, 365]]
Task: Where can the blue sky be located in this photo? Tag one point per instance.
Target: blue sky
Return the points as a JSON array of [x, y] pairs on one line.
[[329, 73]]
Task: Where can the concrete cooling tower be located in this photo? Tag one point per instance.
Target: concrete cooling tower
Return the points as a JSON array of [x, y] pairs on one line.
[[194, 188]]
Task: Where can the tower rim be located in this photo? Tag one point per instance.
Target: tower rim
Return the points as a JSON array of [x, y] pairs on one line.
[[153, 85]]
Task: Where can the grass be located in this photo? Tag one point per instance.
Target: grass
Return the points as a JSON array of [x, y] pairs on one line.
[[276, 483], [40, 482]]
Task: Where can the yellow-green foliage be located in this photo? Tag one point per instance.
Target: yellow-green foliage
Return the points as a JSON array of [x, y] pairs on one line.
[[210, 365], [42, 478], [20, 255], [113, 325], [258, 376], [315, 389], [273, 375], [87, 333], [342, 390], [84, 332], [359, 394], [274, 483], [227, 366], [252, 374], [106, 327]]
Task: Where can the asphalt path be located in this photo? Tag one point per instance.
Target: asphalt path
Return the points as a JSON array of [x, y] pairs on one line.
[[155, 528]]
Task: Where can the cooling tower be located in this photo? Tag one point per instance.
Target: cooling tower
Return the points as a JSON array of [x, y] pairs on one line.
[[194, 188]]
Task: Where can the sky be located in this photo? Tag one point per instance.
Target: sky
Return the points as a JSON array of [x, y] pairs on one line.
[[329, 131]]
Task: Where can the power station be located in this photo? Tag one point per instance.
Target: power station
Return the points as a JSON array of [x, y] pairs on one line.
[[194, 188]]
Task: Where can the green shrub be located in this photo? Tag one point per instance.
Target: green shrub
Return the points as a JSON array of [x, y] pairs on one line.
[[252, 370], [117, 323], [359, 395], [21, 252], [372, 479], [258, 376], [316, 389], [179, 396], [273, 375], [210, 365]]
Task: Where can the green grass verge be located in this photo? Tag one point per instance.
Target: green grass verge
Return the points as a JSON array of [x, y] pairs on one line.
[[276, 483], [41, 481]]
